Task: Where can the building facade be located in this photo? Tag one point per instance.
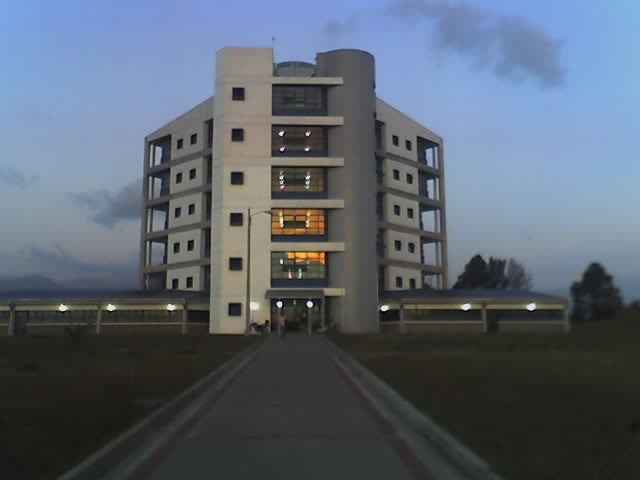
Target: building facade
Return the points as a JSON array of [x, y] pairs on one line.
[[296, 191]]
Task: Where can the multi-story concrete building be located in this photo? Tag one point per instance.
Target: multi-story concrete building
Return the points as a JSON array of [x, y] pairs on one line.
[[295, 189]]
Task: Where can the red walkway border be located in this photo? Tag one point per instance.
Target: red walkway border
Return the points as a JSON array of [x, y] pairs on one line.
[[399, 445], [147, 467]]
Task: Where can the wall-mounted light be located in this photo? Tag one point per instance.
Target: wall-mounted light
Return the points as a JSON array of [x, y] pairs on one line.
[[384, 308], [111, 307], [307, 133], [306, 149], [531, 307], [279, 304], [281, 133], [282, 149], [466, 307], [171, 307], [254, 306], [62, 307], [309, 304]]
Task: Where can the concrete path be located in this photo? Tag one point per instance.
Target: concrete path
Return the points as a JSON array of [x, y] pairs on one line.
[[290, 413]]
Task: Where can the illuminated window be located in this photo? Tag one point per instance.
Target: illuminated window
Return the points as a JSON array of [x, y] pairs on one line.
[[298, 265], [297, 180], [299, 141], [299, 221]]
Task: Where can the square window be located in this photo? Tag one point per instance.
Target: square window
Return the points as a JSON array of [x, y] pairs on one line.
[[235, 263], [235, 309], [412, 247], [174, 283], [237, 178], [194, 139], [409, 179], [177, 212], [410, 212], [191, 245], [178, 177], [396, 174], [180, 143], [407, 144], [237, 135], [235, 219], [412, 283], [398, 245], [396, 209], [237, 93], [192, 174], [395, 140], [398, 282], [192, 209], [189, 282], [176, 247]]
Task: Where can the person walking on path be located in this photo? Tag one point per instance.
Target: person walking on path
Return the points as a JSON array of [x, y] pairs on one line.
[[282, 325]]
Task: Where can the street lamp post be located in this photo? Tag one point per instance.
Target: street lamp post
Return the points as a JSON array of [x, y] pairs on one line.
[[247, 302]]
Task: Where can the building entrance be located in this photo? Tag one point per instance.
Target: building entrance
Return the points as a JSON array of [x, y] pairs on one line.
[[303, 315]]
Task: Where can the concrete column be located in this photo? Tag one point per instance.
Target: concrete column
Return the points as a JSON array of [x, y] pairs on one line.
[[185, 314], [567, 320], [99, 320], [355, 100], [402, 330], [485, 323], [12, 320], [144, 227]]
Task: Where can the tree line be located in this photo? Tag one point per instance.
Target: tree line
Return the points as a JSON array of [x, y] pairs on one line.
[[594, 295]]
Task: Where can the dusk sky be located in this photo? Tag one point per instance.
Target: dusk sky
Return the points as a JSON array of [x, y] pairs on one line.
[[538, 103]]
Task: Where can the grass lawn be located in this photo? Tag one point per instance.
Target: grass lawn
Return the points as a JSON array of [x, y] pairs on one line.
[[61, 401], [536, 407]]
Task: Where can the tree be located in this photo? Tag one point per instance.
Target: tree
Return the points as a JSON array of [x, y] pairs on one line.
[[497, 273], [518, 278], [475, 275], [595, 296]]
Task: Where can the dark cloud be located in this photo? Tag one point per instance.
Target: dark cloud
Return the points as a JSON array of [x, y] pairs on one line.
[[86, 274], [59, 258], [111, 208], [12, 177], [510, 47]]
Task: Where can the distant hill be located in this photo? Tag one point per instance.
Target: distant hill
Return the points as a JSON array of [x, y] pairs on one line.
[[42, 283], [29, 283]]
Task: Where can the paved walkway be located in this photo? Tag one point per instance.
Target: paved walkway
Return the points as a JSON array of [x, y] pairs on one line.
[[290, 413]]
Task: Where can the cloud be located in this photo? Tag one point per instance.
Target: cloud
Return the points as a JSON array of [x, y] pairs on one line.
[[111, 208], [12, 177], [510, 47]]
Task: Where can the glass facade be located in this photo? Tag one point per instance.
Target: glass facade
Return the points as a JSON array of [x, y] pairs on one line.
[[309, 268], [298, 182], [298, 222], [299, 100], [298, 141]]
